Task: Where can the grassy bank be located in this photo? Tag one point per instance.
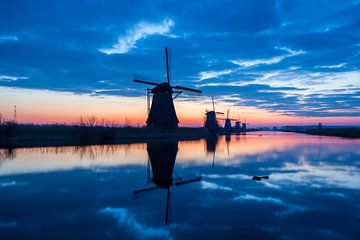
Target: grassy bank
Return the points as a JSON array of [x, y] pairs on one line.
[[21, 135], [351, 132]]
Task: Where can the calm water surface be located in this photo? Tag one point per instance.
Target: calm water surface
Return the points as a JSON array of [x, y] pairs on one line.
[[154, 190]]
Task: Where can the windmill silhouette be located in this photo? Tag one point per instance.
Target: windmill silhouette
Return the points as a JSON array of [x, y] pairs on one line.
[[238, 125], [162, 112], [211, 122], [227, 125], [162, 157], [244, 126]]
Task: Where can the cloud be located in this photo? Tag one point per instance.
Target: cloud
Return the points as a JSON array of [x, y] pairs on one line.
[[314, 176], [7, 224], [123, 216], [11, 183], [214, 186], [8, 38], [267, 61], [213, 74], [250, 197], [333, 194], [230, 176], [139, 31], [7, 78], [340, 65]]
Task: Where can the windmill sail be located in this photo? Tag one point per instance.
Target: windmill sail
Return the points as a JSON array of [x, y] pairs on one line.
[[167, 65], [188, 89]]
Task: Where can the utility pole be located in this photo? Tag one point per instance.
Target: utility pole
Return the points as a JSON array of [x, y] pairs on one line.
[[15, 117]]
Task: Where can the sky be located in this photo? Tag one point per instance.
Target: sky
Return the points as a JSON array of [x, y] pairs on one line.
[[290, 62]]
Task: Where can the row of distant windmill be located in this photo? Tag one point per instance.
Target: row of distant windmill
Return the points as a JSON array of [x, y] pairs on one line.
[[162, 112], [212, 124]]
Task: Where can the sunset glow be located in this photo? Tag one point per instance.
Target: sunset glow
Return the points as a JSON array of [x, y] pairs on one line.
[[38, 106]]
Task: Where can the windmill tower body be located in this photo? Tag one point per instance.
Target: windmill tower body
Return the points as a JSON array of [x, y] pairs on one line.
[[162, 112], [237, 126], [211, 122], [227, 126], [244, 127]]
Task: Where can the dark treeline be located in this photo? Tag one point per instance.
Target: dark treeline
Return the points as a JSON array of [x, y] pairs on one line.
[[31, 135], [347, 132]]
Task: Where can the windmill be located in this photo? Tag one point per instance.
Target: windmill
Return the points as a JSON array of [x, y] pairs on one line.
[[238, 125], [227, 125], [162, 157], [211, 122], [162, 112], [244, 126]]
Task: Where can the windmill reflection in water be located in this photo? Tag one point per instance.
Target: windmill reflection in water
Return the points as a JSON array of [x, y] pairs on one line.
[[160, 170], [211, 143]]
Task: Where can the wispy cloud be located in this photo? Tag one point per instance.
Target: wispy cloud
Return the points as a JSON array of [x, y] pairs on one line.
[[267, 61], [139, 31], [313, 176], [7, 224], [213, 74], [340, 65], [317, 82], [123, 216], [7, 78], [258, 199], [249, 63], [214, 186], [230, 176], [11, 183], [8, 38]]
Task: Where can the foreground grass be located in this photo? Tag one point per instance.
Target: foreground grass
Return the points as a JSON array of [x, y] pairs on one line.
[[23, 135]]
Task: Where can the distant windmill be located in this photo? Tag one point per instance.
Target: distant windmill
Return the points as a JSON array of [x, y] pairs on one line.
[[162, 112], [211, 121], [15, 115], [227, 125], [244, 125], [238, 125]]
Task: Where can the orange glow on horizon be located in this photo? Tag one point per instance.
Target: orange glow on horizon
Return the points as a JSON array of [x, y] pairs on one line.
[[39, 106]]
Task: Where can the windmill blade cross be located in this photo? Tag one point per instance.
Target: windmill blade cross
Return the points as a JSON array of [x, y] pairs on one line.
[[145, 82], [188, 89], [188, 181], [167, 65], [231, 119], [167, 206], [212, 100], [144, 190]]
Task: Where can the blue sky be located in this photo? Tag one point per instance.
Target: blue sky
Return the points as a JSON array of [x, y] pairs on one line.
[[294, 57]]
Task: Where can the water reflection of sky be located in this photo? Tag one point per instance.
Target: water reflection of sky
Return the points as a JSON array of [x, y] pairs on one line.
[[87, 192]]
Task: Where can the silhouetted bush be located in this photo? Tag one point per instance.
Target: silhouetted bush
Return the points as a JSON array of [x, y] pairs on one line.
[[7, 131]]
